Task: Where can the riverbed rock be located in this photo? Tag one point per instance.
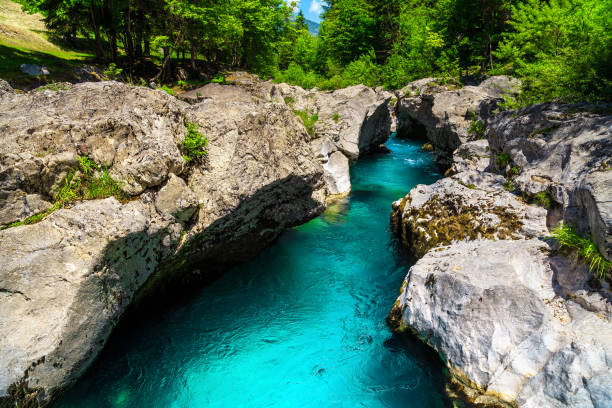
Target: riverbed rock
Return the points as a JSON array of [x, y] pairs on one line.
[[5, 87], [68, 278], [468, 206], [564, 151], [133, 131], [473, 155], [515, 324], [444, 115], [64, 284]]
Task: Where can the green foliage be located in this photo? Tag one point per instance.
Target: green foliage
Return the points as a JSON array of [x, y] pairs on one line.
[[113, 72], [308, 120], [509, 186], [219, 79], [560, 49], [53, 86], [88, 182], [289, 100], [167, 89], [34, 218], [477, 128], [336, 117], [503, 160], [544, 199], [586, 249], [195, 143]]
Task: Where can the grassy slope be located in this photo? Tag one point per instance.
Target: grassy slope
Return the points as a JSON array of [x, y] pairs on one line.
[[25, 40]]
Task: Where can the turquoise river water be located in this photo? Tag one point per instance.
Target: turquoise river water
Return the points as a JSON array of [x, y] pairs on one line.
[[302, 325]]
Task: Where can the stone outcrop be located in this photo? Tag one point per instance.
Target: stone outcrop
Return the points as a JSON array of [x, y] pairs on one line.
[[444, 113], [351, 121], [467, 206], [518, 322], [513, 324], [133, 131], [66, 280], [564, 151]]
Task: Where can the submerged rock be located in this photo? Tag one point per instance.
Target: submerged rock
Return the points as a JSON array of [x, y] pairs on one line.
[[513, 324]]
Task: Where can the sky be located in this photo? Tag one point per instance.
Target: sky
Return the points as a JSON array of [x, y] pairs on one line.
[[311, 8]]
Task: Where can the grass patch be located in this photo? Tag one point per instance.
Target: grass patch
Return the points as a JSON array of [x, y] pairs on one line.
[[567, 237], [308, 120], [90, 182], [544, 199], [24, 39], [336, 117], [53, 86], [477, 128], [195, 143], [289, 100], [167, 89], [503, 160], [34, 218]]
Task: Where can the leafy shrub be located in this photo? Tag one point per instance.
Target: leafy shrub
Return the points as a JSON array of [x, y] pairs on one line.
[[503, 160], [544, 199], [195, 143], [219, 79], [477, 128], [336, 117], [308, 120], [586, 249], [167, 89], [113, 72]]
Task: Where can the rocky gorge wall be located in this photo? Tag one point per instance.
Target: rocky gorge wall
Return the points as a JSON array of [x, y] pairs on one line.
[[66, 280], [517, 321]]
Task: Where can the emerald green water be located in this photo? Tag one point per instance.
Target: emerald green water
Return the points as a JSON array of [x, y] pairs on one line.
[[302, 325]]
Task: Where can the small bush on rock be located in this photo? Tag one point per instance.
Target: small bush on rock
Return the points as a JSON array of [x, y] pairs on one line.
[[568, 238], [194, 144], [308, 120]]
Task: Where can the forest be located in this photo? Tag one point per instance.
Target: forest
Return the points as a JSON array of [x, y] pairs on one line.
[[560, 49]]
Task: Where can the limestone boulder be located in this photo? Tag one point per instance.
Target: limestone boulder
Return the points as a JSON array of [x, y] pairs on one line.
[[469, 156], [135, 132], [468, 206], [444, 113], [564, 151], [65, 282], [514, 323]]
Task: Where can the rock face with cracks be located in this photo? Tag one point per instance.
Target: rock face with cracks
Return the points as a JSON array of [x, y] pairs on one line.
[[513, 324], [444, 113], [564, 151], [467, 206], [78, 269]]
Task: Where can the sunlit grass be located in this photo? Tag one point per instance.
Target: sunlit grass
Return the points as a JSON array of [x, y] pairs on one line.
[[568, 238]]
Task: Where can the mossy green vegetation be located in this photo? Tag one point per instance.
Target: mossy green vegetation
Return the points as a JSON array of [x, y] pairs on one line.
[[53, 86], [87, 182], [167, 89], [113, 72], [567, 237], [503, 160], [336, 117], [308, 120], [544, 199], [477, 128], [195, 143]]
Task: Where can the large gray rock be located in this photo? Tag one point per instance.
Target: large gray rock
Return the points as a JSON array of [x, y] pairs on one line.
[[513, 325], [565, 151], [5, 87], [468, 206], [473, 155], [133, 131], [65, 281], [444, 114], [64, 284]]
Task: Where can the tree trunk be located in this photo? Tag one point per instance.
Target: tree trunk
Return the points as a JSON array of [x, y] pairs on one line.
[[113, 44], [194, 57], [128, 37], [167, 54], [99, 49], [139, 34]]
